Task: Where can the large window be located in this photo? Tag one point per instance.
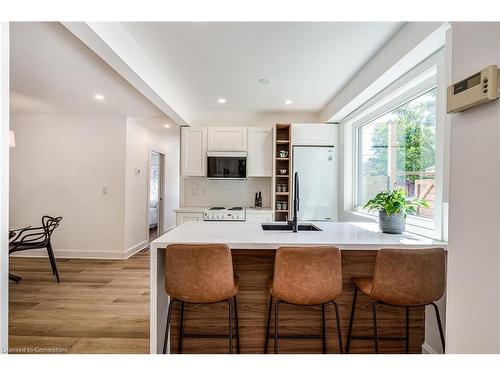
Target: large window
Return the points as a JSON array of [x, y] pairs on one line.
[[399, 149]]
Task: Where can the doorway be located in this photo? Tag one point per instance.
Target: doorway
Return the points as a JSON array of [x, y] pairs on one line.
[[156, 183]]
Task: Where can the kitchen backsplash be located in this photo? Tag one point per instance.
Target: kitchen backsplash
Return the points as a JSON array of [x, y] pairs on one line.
[[200, 191]]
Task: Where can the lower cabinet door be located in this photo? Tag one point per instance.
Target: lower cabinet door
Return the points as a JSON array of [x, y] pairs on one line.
[[183, 217]]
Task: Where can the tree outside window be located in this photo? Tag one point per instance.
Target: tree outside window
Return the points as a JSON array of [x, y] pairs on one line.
[[399, 149]]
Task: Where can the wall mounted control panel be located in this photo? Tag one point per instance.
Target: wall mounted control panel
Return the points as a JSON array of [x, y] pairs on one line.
[[477, 89]]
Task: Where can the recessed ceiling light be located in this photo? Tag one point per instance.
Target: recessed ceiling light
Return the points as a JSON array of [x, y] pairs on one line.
[[264, 81], [98, 97], [166, 126], [288, 101], [221, 100]]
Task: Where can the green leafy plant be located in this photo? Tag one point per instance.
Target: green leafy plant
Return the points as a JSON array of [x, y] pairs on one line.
[[394, 202]]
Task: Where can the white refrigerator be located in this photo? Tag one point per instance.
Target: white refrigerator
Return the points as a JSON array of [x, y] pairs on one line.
[[317, 169]]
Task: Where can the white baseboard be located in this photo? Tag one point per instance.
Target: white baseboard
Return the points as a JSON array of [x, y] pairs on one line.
[[426, 349], [73, 253], [136, 248], [84, 254]]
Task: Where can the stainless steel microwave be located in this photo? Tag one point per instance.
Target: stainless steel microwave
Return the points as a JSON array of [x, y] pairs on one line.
[[227, 165]]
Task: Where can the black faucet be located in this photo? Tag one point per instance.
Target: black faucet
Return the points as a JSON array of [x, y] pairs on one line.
[[296, 200]]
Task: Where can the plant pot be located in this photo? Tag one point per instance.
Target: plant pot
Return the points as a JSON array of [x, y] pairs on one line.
[[393, 223]]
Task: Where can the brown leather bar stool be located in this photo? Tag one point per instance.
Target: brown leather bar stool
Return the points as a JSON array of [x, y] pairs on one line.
[[402, 278], [305, 276], [200, 274]]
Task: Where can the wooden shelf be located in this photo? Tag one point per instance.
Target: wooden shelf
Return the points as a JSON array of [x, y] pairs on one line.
[[282, 142]]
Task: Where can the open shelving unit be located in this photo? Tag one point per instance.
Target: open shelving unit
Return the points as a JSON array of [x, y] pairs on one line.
[[282, 137]]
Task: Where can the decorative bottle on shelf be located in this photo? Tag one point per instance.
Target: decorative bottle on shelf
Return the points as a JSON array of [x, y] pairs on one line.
[[256, 203], [259, 200]]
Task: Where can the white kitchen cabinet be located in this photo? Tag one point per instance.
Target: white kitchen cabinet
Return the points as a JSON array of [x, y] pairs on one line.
[[314, 135], [183, 217], [227, 139], [259, 217], [194, 151], [260, 152]]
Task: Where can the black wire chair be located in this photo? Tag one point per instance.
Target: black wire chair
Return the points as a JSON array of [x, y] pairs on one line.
[[37, 238]]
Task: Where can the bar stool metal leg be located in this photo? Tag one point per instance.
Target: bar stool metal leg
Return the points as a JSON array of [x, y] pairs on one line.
[[169, 318], [276, 325], [237, 326], [268, 323], [181, 329], [438, 318], [375, 326], [323, 326], [339, 332], [229, 302], [351, 320], [407, 334]]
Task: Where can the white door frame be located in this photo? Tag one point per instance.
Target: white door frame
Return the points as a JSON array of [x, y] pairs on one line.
[[4, 186], [161, 193]]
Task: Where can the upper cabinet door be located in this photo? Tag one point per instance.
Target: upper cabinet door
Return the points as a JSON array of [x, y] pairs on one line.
[[314, 135], [227, 139], [260, 152], [193, 151]]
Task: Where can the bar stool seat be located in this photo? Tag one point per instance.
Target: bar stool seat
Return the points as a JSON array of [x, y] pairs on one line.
[[402, 278], [207, 296], [201, 274], [305, 276]]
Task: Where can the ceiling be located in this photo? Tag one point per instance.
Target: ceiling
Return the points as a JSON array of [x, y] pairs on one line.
[[306, 62], [53, 72]]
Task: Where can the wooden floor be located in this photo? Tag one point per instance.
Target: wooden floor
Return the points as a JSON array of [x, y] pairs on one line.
[[101, 306]]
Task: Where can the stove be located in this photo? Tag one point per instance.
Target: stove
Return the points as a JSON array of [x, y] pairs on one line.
[[224, 214]]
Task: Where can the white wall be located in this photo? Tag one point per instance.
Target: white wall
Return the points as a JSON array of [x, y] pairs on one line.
[[140, 141], [62, 163], [4, 185], [59, 167], [473, 306]]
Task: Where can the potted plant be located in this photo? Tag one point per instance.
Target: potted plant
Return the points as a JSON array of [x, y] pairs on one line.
[[393, 206]]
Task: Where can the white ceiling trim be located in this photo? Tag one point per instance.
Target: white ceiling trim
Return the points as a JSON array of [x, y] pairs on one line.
[[115, 46], [412, 44]]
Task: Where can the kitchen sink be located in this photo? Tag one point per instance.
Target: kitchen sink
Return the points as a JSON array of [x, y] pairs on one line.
[[289, 227]]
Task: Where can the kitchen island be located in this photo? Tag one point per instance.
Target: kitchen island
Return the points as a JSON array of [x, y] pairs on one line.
[[253, 258]]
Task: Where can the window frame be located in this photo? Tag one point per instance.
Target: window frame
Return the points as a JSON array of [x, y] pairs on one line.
[[415, 83]]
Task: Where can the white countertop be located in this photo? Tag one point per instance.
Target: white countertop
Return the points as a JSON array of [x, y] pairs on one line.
[[244, 235]]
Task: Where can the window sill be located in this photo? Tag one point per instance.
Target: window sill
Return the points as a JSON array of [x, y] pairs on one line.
[[422, 227]]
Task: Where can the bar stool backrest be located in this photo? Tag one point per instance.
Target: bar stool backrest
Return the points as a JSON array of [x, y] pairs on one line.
[[307, 275], [409, 277], [199, 273]]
